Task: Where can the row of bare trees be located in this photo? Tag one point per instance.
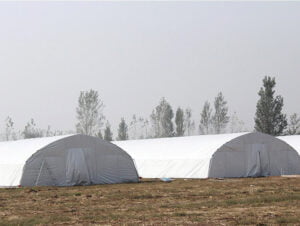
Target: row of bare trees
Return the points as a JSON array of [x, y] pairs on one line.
[[164, 122], [30, 131]]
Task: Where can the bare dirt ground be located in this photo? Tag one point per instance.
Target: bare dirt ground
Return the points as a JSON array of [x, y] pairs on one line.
[[273, 200]]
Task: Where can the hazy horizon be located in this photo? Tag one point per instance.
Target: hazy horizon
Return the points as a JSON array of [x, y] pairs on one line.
[[135, 53]]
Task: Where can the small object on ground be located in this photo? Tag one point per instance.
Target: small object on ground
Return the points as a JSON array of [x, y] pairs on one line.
[[290, 176], [32, 190], [164, 179]]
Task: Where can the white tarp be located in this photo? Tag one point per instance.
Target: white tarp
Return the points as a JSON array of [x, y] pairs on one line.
[[225, 155], [64, 161], [293, 141]]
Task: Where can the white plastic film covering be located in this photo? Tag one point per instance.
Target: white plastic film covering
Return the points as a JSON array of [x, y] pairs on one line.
[[225, 155], [14, 154], [293, 141], [180, 157], [64, 161]]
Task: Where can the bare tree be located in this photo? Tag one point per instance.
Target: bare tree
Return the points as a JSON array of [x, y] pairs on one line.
[[188, 122], [31, 131], [48, 132], [179, 121], [294, 125], [206, 119], [220, 118], [236, 125], [123, 130], [145, 128], [108, 136], [155, 125], [9, 129], [133, 127], [161, 119], [89, 113]]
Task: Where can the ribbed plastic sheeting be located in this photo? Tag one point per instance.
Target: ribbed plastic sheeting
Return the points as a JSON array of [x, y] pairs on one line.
[[64, 161], [224, 155], [293, 141]]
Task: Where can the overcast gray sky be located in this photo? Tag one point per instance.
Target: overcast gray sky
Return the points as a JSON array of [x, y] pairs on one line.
[[135, 53]]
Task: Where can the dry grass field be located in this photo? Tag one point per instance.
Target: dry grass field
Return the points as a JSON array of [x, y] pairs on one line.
[[262, 201]]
